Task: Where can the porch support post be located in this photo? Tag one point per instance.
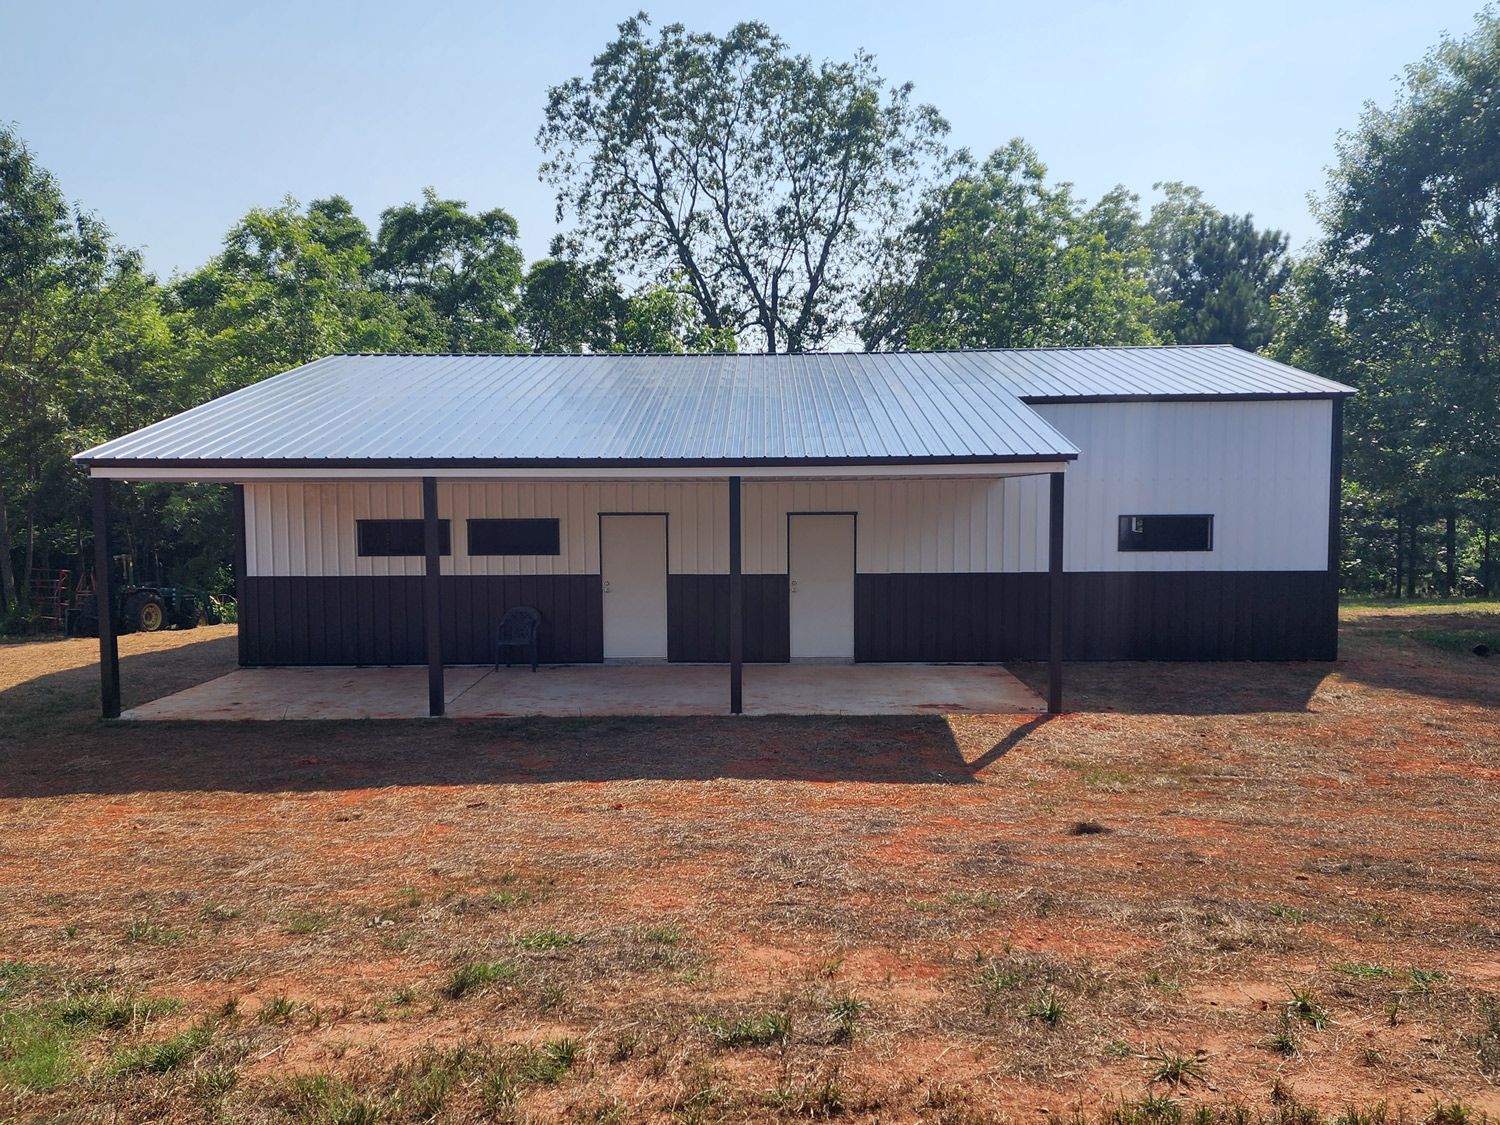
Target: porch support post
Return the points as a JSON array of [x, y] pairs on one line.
[[109, 652], [1055, 594], [736, 604], [241, 568], [431, 606]]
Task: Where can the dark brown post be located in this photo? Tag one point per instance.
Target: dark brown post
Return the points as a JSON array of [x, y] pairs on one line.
[[1055, 596], [431, 602], [736, 604], [1335, 520], [240, 570], [109, 651]]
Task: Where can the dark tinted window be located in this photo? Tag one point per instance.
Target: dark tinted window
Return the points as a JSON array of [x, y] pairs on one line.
[[383, 538], [513, 537], [1166, 533]]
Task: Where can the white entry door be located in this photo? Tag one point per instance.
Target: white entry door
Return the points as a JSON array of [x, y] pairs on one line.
[[633, 564], [820, 570]]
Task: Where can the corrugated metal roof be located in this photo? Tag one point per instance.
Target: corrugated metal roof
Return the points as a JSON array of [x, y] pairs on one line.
[[540, 410]]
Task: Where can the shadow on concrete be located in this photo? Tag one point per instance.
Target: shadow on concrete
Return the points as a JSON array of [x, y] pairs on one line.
[[52, 743]]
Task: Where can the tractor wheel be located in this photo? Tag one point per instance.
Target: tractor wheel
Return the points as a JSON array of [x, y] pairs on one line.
[[146, 612]]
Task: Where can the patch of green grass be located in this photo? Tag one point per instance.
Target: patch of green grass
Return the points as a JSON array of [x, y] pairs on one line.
[[143, 931], [985, 901], [113, 1011], [1002, 976], [542, 941], [1153, 1109], [1304, 1006], [1284, 1040], [1460, 642], [1365, 972], [1156, 980], [167, 1055], [1424, 979], [327, 1100], [1451, 1113], [36, 1050], [477, 976], [764, 1030], [301, 923], [1047, 1008], [14, 975], [664, 935], [215, 1082], [1177, 1069], [1289, 913], [819, 1098], [278, 1009], [551, 1062]]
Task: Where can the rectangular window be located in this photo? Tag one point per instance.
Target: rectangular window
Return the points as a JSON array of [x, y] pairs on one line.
[[513, 537], [387, 538], [1166, 533]]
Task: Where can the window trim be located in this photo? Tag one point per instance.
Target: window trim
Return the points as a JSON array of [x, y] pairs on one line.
[[555, 529], [445, 538], [1125, 530]]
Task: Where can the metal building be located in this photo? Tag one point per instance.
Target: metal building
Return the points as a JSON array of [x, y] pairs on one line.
[[750, 508]]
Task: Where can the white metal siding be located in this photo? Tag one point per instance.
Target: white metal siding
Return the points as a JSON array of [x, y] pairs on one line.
[[1260, 468], [937, 525]]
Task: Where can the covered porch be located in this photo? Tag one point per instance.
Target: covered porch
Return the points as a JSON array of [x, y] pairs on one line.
[[337, 690], [597, 690]]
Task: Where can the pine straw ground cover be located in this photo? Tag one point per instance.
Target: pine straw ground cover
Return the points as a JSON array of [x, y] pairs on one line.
[[1250, 891]]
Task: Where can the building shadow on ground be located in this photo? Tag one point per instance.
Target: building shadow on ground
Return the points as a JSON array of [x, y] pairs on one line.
[[52, 744]]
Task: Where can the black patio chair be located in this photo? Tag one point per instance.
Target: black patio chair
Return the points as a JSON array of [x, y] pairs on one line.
[[518, 629]]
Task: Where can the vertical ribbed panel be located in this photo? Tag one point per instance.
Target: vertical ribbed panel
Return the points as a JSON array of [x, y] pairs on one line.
[[1260, 468]]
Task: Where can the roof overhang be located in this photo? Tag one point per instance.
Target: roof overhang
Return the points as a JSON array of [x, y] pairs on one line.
[[748, 470]]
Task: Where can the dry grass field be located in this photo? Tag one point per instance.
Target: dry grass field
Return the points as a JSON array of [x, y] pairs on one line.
[[1215, 892]]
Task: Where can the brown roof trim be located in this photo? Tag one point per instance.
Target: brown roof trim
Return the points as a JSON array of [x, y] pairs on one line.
[[1248, 396]]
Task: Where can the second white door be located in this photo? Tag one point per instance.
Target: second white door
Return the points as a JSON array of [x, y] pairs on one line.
[[633, 564], [820, 572]]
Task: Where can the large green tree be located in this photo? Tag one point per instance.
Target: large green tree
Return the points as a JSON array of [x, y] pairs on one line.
[[761, 178], [79, 337], [1402, 296], [1215, 276], [457, 275], [1000, 258]]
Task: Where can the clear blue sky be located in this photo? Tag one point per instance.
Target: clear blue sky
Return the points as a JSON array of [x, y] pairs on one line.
[[171, 120]]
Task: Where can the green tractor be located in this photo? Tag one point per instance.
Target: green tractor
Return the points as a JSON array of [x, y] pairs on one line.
[[143, 608]]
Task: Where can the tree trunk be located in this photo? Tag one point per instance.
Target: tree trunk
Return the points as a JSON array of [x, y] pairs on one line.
[[1489, 517], [1400, 551], [1450, 549], [7, 571], [1411, 557], [23, 588]]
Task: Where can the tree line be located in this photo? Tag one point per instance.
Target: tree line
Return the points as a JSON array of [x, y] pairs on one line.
[[724, 192]]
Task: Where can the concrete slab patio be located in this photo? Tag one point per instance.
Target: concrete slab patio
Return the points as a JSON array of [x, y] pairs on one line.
[[600, 689]]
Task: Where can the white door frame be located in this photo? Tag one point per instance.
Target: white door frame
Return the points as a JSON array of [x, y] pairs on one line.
[[659, 652], [853, 518]]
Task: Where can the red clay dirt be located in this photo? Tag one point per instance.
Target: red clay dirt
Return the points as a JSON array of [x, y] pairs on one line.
[[1165, 866]]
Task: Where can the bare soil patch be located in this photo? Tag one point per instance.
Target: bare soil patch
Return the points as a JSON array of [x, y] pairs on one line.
[[1288, 888]]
